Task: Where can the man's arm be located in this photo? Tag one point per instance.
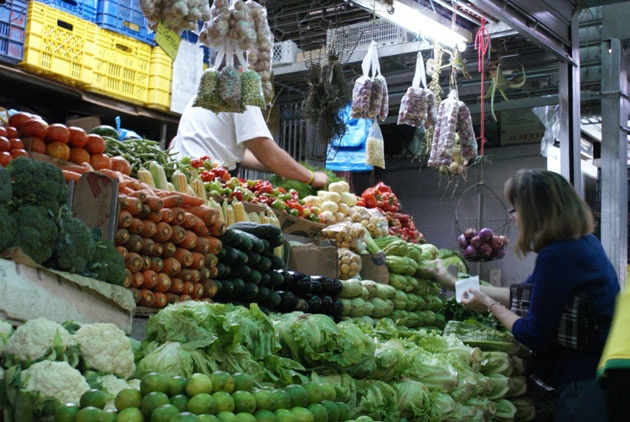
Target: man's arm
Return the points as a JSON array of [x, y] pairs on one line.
[[278, 161]]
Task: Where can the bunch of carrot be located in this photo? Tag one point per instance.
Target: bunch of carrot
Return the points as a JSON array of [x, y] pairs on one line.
[[169, 241]]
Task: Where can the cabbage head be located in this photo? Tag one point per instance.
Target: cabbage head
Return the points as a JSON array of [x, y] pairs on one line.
[[378, 400], [174, 359], [414, 400]]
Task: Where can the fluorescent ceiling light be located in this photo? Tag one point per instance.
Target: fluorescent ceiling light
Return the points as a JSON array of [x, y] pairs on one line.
[[405, 15]]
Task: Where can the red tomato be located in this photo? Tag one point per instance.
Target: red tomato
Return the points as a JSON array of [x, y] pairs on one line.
[[37, 145], [121, 164], [95, 144], [16, 143], [5, 158], [78, 137], [3, 131], [5, 144], [12, 132], [34, 127], [57, 132], [18, 119], [18, 153]]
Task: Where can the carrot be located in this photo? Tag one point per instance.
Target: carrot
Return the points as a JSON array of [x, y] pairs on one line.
[[136, 295], [167, 215], [195, 275], [159, 300], [125, 190], [184, 274], [136, 225], [147, 298], [69, 175], [177, 285], [189, 220], [201, 228], [154, 202], [159, 249], [184, 256], [211, 260], [173, 200], [148, 246], [169, 249], [215, 245], [163, 233], [113, 174], [164, 282], [146, 262], [199, 260], [122, 250], [131, 204], [134, 243], [191, 200], [155, 216], [76, 168], [205, 274], [208, 214], [178, 236], [121, 237], [172, 266], [146, 210], [128, 278], [149, 228], [190, 240], [213, 272], [210, 288], [218, 228], [202, 246], [124, 218], [179, 215], [140, 194], [133, 261], [197, 292], [184, 297], [188, 288], [150, 279], [172, 298], [137, 280], [157, 264]]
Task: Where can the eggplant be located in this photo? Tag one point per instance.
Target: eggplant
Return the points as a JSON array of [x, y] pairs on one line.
[[302, 285], [337, 308], [337, 287], [316, 286], [288, 301], [301, 305], [326, 283], [314, 304], [327, 304]]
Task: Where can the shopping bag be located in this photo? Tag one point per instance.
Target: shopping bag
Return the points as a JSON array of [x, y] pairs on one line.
[[375, 147]]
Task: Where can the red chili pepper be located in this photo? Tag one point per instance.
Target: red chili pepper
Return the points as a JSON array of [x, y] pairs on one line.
[[237, 194], [207, 176], [196, 163], [382, 187]]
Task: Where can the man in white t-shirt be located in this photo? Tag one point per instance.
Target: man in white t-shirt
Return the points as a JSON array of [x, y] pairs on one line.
[[234, 139]]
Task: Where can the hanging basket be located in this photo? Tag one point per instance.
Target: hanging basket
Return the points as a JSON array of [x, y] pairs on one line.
[[482, 239]]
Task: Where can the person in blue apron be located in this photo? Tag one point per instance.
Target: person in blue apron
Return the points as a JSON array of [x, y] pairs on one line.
[[562, 312]]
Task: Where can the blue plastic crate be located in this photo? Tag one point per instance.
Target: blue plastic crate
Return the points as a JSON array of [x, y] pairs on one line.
[[84, 9], [12, 31], [124, 17]]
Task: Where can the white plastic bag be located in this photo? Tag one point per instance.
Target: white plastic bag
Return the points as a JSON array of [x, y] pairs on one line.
[[417, 107], [370, 97], [187, 71], [375, 147]]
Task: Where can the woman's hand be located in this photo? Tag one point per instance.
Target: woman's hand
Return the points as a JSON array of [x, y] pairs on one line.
[[320, 179], [440, 273], [476, 300]]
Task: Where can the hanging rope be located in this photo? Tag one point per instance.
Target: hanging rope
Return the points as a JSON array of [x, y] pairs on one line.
[[482, 45]]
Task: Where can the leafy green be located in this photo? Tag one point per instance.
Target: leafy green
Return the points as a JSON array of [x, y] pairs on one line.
[[379, 400], [414, 400]]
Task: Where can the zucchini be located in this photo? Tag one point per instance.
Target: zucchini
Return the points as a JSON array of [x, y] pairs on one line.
[[238, 284], [105, 130], [257, 244], [254, 276], [265, 278], [240, 271], [263, 231], [253, 257], [231, 255], [241, 257], [264, 264], [249, 292], [276, 278], [231, 238], [277, 263]]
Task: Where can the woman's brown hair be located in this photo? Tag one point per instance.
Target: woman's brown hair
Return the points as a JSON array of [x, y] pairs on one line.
[[548, 209]]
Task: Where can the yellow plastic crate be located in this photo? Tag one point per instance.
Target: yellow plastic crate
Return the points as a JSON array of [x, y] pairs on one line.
[[121, 67], [160, 76], [58, 45]]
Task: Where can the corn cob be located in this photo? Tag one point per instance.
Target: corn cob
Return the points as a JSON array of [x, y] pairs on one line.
[[145, 176], [254, 217], [171, 187], [199, 188], [159, 175], [179, 181], [239, 211]]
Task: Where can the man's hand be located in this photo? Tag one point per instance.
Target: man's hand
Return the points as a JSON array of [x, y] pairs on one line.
[[320, 179]]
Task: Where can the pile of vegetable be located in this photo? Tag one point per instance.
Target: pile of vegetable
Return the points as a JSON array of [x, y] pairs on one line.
[[176, 15], [482, 245]]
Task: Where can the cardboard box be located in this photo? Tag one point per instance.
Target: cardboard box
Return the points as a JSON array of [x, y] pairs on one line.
[[297, 226], [313, 258], [28, 291], [85, 123], [373, 267]]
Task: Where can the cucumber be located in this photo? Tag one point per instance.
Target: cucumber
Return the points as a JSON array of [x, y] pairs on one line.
[[105, 130], [277, 263], [254, 276], [263, 231], [249, 292], [240, 271], [253, 258], [264, 264], [257, 244]]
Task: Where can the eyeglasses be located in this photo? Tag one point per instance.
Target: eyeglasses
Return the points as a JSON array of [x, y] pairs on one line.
[[511, 212]]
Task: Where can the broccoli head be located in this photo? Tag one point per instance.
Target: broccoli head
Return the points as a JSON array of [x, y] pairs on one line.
[[108, 264], [8, 228], [6, 191], [36, 231], [37, 183], [74, 246]]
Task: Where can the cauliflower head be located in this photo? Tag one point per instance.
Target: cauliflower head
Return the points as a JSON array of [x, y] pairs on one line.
[[57, 380], [39, 339], [6, 330], [105, 348]]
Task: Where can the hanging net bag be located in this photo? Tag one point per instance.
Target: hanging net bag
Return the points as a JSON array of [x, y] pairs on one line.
[[479, 238]]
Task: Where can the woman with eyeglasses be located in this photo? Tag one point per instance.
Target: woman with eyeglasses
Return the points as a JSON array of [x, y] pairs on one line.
[[571, 293]]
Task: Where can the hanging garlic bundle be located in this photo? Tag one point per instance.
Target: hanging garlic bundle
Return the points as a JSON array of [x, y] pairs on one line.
[[176, 15]]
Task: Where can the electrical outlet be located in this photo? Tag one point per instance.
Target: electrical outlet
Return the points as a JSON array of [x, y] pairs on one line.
[[495, 276]]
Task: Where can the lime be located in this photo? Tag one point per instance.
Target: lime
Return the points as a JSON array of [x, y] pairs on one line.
[[198, 383], [282, 399], [208, 418], [201, 403], [154, 381], [222, 381], [244, 401], [152, 401], [331, 408], [66, 412], [94, 398], [130, 414], [328, 391], [88, 414], [364, 419], [223, 401], [302, 414], [264, 399], [185, 417], [242, 381], [283, 415], [265, 416], [164, 413], [344, 411], [299, 395], [127, 397], [319, 412], [226, 416], [314, 390], [108, 415], [176, 385], [245, 417], [180, 401]]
